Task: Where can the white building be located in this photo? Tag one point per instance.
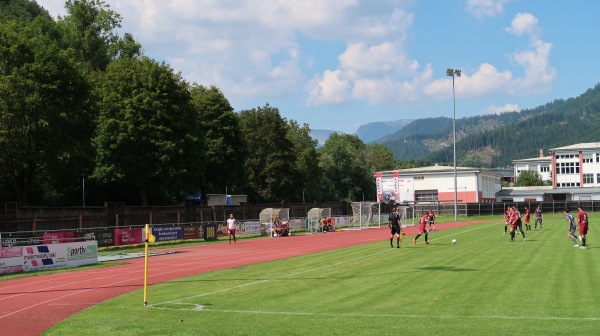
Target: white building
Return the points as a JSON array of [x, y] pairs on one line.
[[574, 171], [541, 164], [576, 165], [436, 184]]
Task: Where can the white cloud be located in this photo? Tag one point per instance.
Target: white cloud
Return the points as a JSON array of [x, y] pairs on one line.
[[251, 49], [493, 109], [525, 24], [330, 88], [485, 8], [539, 74]]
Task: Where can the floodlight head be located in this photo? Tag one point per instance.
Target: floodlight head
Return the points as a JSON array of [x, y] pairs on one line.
[[452, 72]]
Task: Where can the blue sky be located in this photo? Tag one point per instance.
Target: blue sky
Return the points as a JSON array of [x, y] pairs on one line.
[[338, 64]]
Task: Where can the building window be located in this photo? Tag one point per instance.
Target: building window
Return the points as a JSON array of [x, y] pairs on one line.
[[567, 168], [597, 157], [419, 177], [544, 169], [426, 195], [587, 160], [588, 178], [597, 178]]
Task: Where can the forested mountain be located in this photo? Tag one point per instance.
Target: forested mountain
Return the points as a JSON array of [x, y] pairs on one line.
[[376, 130], [495, 140]]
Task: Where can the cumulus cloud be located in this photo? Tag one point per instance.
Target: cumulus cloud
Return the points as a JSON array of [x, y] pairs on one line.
[[485, 8], [493, 109], [539, 74], [252, 50], [525, 24], [330, 88]]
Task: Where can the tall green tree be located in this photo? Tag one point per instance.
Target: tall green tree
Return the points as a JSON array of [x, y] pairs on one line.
[[347, 177], [90, 29], [21, 10], [270, 165], [308, 184], [224, 145], [528, 178], [43, 123], [148, 133]]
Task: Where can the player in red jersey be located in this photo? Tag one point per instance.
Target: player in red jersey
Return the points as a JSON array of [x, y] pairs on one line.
[[527, 218], [506, 219], [582, 221], [515, 222], [431, 220], [422, 230]]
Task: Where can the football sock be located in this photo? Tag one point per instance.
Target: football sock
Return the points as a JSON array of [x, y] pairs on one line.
[[392, 241], [574, 239], [426, 237], [512, 235], [417, 237], [582, 241], [397, 241], [505, 227]]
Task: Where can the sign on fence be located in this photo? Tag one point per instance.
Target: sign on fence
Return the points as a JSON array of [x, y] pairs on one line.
[[11, 259], [166, 233], [210, 231], [128, 236]]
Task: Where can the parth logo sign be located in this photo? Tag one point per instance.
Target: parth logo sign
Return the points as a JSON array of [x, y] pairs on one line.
[[82, 253]]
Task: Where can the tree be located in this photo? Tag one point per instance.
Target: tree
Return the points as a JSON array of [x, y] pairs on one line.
[[307, 163], [270, 165], [379, 157], [44, 126], [148, 133], [528, 178], [224, 146], [21, 10], [90, 29], [346, 176]]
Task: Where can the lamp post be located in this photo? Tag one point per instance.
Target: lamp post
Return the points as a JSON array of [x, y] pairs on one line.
[[83, 189], [454, 73]]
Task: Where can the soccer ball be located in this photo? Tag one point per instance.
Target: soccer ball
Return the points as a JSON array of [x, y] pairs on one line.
[[453, 241]]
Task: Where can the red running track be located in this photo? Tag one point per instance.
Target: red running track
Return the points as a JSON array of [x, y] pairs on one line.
[[31, 305]]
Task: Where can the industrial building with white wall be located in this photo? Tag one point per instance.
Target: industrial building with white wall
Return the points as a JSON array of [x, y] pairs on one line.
[[436, 184]]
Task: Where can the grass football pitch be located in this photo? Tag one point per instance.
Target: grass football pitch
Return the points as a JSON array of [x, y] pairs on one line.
[[482, 285]]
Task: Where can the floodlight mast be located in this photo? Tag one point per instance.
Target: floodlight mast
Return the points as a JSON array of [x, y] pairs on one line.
[[454, 73]]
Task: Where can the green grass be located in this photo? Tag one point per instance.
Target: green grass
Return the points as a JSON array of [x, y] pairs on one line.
[[483, 285]]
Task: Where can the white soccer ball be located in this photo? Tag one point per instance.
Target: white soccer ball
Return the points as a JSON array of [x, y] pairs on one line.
[[453, 241]]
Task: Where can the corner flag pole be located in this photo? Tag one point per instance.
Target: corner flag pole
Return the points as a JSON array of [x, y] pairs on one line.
[[150, 238]]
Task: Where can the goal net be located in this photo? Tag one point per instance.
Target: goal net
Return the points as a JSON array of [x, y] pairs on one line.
[[366, 215]]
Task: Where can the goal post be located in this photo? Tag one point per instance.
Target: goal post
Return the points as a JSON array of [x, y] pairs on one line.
[[366, 215]]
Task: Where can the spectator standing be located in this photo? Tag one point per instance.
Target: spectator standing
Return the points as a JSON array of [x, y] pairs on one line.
[[231, 227]]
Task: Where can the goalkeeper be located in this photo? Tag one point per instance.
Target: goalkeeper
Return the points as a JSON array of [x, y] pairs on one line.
[[395, 227]]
